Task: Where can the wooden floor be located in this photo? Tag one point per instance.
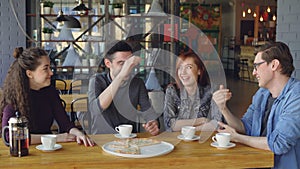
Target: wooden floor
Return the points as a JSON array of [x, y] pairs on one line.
[[242, 92]]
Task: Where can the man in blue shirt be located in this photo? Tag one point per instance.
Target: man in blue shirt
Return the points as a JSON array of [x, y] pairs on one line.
[[272, 121]]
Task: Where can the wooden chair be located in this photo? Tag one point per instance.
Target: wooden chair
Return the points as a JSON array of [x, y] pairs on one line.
[[79, 107], [64, 104], [244, 69], [61, 86], [75, 87]]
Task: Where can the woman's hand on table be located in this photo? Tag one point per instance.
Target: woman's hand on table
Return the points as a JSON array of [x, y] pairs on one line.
[[65, 137], [152, 127], [81, 138]]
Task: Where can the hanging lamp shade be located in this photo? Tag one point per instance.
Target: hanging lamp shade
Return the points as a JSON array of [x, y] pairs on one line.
[[80, 7], [72, 22], [155, 9], [61, 17], [152, 81], [72, 58], [65, 34]]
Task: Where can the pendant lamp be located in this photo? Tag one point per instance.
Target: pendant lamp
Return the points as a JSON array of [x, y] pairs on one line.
[[72, 58], [80, 7], [68, 21], [152, 81], [61, 17], [65, 34], [72, 23], [155, 9]]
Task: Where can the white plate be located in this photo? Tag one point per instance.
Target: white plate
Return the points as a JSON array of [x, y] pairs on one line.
[[195, 137], [215, 144], [133, 135], [56, 147], [146, 151]]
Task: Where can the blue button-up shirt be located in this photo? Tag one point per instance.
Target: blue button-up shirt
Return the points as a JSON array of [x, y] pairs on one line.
[[283, 126]]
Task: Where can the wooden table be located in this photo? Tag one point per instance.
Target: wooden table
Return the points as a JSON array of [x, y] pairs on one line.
[[68, 98], [184, 155]]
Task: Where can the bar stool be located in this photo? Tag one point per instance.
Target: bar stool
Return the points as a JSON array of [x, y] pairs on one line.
[[244, 69]]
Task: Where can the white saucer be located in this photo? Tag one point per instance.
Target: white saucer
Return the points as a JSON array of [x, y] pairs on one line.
[[195, 137], [215, 144], [56, 147], [132, 135]]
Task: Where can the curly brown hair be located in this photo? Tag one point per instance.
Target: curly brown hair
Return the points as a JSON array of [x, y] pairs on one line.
[[16, 85]]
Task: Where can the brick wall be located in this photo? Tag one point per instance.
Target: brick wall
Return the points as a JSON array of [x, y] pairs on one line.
[[10, 33], [288, 28]]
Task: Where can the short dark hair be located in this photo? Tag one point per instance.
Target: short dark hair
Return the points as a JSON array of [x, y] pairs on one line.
[[117, 46], [281, 52]]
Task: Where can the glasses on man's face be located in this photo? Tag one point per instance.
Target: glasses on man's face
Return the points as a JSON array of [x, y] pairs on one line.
[[255, 65]]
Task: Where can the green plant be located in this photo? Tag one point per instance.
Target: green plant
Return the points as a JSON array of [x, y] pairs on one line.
[[117, 5], [48, 30], [48, 4]]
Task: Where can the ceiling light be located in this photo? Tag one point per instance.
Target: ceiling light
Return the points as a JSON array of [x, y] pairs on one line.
[[268, 9], [65, 34], [244, 14], [155, 9], [261, 19], [61, 16], [81, 7], [274, 17], [72, 23], [249, 10], [72, 58], [254, 14]]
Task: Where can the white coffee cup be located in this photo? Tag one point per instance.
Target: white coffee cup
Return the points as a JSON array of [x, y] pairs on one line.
[[222, 139], [48, 141], [124, 130], [188, 132]]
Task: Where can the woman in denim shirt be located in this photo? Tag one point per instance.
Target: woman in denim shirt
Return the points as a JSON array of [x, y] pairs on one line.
[[272, 121], [188, 102]]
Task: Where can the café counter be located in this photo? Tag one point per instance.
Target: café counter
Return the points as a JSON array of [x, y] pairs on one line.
[[185, 155]]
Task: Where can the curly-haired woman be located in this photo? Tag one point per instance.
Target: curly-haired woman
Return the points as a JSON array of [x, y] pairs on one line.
[[27, 89]]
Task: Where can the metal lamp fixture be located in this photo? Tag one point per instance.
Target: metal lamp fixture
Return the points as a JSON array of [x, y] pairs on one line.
[[61, 17], [72, 58], [65, 34], [72, 22], [80, 7], [155, 9], [68, 21]]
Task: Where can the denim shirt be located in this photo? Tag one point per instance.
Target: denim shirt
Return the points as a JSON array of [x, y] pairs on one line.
[[283, 126], [179, 106]]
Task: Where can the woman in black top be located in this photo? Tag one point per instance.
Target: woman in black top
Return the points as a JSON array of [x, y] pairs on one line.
[[27, 90]]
